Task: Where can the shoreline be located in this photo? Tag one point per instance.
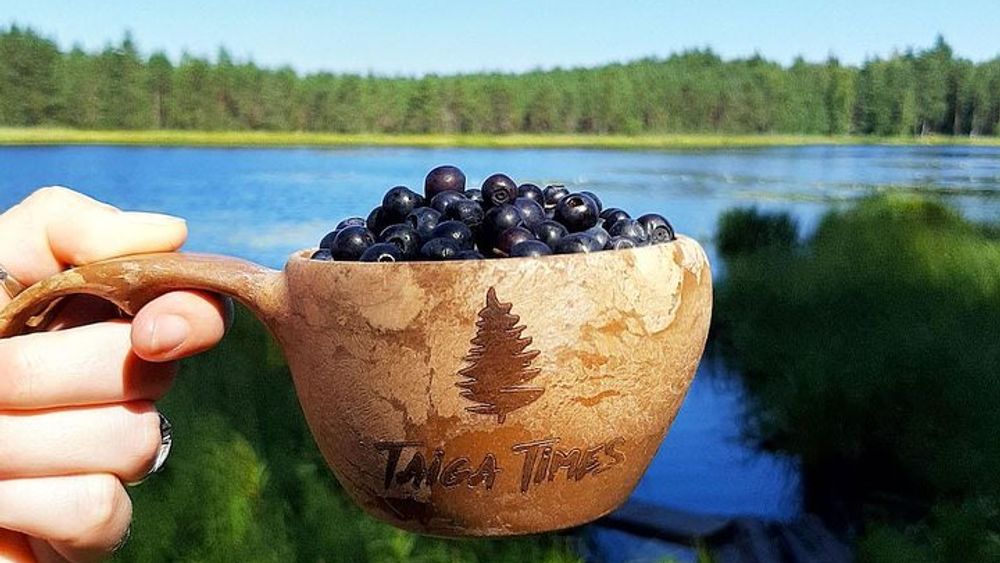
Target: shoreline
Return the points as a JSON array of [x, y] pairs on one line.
[[291, 139]]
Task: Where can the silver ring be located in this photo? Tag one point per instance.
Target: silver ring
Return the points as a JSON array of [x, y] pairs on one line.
[[166, 443], [9, 284]]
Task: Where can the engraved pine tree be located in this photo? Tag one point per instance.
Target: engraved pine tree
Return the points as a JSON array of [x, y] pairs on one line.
[[499, 366]]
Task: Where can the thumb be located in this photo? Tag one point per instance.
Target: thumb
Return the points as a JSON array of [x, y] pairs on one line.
[[56, 227]]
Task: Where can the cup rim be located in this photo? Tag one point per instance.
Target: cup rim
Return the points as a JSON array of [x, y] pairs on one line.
[[303, 256]]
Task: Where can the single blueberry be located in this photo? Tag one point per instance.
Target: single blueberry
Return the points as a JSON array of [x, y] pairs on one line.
[[498, 189], [439, 249], [444, 178], [351, 222], [499, 219], [630, 228], [659, 229], [577, 212], [382, 252], [443, 200], [576, 242], [550, 232], [553, 194], [322, 254], [351, 242], [327, 241], [510, 238], [618, 243], [424, 219], [377, 220], [398, 202], [531, 213], [530, 248], [611, 215], [597, 200], [456, 231], [466, 211], [405, 236], [532, 192], [601, 236]]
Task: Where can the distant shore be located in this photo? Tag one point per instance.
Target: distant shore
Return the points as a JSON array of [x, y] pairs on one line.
[[694, 141]]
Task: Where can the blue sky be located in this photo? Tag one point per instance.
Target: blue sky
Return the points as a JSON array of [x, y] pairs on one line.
[[446, 36]]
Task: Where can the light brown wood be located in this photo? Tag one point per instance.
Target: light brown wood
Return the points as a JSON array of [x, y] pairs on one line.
[[466, 398]]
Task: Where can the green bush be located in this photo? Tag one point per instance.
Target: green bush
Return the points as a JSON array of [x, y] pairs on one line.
[[966, 532], [746, 230], [245, 482], [871, 353]]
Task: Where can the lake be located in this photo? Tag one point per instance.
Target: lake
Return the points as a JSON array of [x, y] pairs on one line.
[[262, 204]]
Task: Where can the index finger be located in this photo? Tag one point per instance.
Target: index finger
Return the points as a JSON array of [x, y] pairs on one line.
[[56, 227]]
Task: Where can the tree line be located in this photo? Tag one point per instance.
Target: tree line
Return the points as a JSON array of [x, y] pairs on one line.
[[909, 93]]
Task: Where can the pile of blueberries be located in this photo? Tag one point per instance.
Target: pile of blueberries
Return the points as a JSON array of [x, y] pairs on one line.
[[500, 219]]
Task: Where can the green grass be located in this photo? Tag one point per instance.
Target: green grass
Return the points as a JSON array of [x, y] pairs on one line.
[[45, 136]]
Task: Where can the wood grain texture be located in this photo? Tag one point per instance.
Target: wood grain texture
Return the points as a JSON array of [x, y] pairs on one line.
[[618, 335]]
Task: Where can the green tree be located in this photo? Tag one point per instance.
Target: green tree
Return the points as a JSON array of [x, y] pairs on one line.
[[159, 80], [28, 82]]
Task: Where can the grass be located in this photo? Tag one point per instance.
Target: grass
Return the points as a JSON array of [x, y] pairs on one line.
[[56, 136]]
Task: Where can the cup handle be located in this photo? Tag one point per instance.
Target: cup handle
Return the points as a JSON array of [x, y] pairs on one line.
[[132, 281]]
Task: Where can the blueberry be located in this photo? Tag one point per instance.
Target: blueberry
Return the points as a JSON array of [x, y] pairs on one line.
[[498, 189], [327, 241], [554, 193], [404, 236], [600, 236], [532, 248], [618, 243], [351, 222], [475, 195], [399, 202], [439, 249], [351, 242], [550, 232], [469, 255], [550, 213], [445, 199], [382, 252], [577, 212], [532, 192], [499, 219], [611, 215], [424, 219], [531, 212], [510, 238], [322, 254], [597, 200], [576, 242], [456, 231], [376, 220], [630, 228], [444, 179], [659, 229], [466, 211]]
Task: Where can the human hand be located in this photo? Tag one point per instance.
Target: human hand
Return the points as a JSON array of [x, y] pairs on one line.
[[76, 406]]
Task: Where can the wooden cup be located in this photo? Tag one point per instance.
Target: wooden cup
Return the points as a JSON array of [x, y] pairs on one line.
[[462, 398]]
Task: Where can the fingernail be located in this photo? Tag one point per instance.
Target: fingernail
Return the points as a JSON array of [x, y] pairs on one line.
[[169, 332], [153, 218]]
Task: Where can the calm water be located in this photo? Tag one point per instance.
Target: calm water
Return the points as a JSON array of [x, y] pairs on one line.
[[263, 204]]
